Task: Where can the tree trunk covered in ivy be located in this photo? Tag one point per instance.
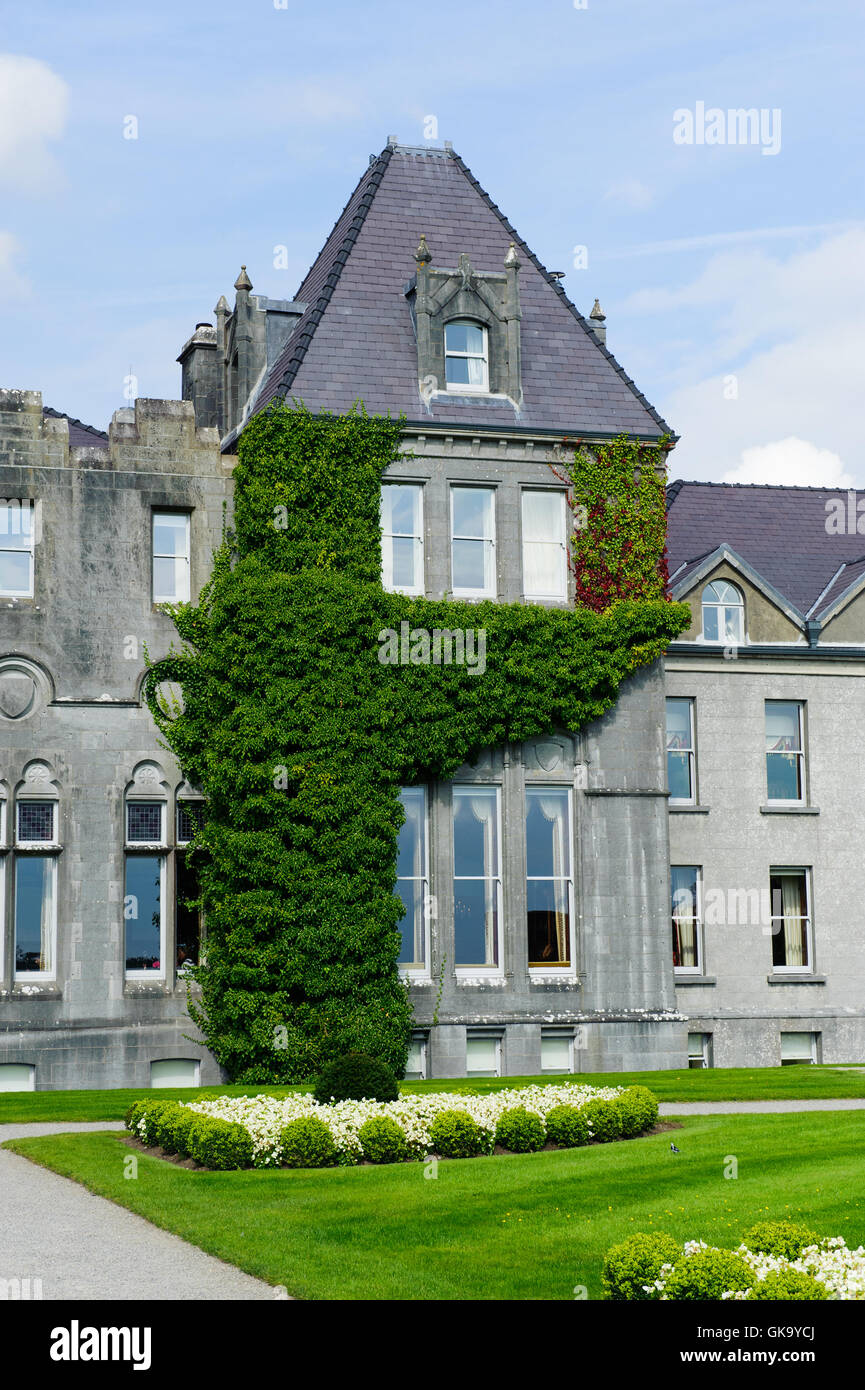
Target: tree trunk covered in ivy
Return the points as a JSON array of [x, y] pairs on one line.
[[300, 738]]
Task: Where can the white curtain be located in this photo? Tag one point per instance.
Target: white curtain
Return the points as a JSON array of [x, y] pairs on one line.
[[555, 809], [484, 810], [47, 918], [543, 544], [794, 924]]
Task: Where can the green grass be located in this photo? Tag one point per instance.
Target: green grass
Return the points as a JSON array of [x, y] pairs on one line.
[[517, 1227], [761, 1083]]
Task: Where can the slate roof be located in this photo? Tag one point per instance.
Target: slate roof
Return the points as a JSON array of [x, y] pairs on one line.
[[779, 531], [80, 435], [356, 339]]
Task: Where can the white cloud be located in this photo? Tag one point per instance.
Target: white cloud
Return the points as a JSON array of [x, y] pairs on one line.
[[772, 349], [631, 193], [792, 462], [33, 107], [12, 284]]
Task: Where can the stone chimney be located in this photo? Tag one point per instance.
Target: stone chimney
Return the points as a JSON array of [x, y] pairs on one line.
[[201, 375], [597, 323]]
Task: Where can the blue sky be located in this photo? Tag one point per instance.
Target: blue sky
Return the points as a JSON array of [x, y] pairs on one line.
[[731, 278]]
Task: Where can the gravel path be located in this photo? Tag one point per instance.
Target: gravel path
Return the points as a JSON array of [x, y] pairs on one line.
[[84, 1247], [754, 1107]]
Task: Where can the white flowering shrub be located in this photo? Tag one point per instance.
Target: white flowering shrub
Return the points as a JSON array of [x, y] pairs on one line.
[[829, 1262], [265, 1117]]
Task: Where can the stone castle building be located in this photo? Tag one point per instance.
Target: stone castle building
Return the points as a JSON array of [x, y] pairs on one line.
[[537, 883]]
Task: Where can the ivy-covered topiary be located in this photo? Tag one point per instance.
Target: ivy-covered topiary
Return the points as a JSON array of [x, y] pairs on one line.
[[635, 1263], [382, 1140], [307, 1143], [355, 1077], [300, 736]]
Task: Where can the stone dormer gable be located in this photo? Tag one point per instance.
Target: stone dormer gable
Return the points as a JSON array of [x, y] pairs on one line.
[[441, 295]]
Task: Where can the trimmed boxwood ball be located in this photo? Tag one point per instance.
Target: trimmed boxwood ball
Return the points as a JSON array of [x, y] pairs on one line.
[[383, 1140], [454, 1134], [635, 1262], [567, 1126], [356, 1076], [307, 1143], [638, 1109], [707, 1274], [604, 1120], [788, 1285], [175, 1131], [220, 1144], [520, 1131], [785, 1238], [152, 1115]]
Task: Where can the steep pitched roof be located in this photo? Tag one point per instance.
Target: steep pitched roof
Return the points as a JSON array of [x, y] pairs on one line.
[[80, 435], [781, 532], [356, 339]]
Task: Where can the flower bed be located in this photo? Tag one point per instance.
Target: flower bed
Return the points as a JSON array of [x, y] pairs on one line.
[[776, 1260], [595, 1114]]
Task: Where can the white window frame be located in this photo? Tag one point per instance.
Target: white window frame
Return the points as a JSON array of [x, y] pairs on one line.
[[36, 849], [29, 550], [561, 544], [719, 606], [145, 845], [699, 968], [691, 751], [491, 589], [800, 755], [416, 590], [421, 1041], [568, 971], [705, 1053], [795, 1032], [421, 972], [462, 388], [479, 1035], [179, 804], [463, 972], [148, 852], [558, 1035], [184, 597], [788, 870], [38, 846]]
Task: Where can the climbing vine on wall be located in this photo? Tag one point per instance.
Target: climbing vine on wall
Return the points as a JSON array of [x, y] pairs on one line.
[[300, 736], [616, 492]]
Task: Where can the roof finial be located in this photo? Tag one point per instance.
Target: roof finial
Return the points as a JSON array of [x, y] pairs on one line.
[[423, 254], [243, 281], [597, 312], [512, 260]]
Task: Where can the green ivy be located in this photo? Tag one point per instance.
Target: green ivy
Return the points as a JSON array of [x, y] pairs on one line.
[[617, 494], [300, 739]]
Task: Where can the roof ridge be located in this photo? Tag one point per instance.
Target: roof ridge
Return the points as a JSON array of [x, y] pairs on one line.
[[301, 343], [587, 329], [778, 487], [61, 415]]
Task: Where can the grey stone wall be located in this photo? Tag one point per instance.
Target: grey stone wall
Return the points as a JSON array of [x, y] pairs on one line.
[[84, 737]]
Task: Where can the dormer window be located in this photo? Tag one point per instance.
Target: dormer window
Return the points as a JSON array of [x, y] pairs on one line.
[[723, 613], [466, 356]]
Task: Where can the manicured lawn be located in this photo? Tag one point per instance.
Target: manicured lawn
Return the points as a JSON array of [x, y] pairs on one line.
[[764, 1083], [516, 1227]]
